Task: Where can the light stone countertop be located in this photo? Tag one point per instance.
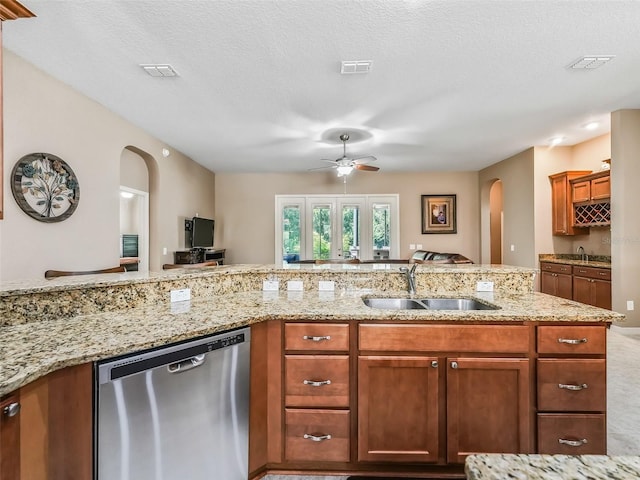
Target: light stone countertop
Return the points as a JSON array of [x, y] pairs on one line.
[[49, 341], [551, 467], [596, 262]]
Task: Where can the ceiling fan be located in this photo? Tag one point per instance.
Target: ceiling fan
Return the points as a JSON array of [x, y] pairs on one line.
[[345, 165]]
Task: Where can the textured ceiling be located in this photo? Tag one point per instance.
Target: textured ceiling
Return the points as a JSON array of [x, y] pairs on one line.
[[455, 85]]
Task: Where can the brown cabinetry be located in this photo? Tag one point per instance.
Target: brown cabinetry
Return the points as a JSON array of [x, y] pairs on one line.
[[316, 392], [591, 200], [413, 394], [592, 286], [562, 212], [10, 438], [588, 285], [556, 279], [571, 386]]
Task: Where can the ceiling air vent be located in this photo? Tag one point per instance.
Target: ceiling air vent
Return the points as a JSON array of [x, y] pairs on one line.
[[159, 70], [590, 62], [355, 66]]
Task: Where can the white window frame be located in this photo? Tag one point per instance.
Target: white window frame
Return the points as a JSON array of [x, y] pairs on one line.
[[305, 204]]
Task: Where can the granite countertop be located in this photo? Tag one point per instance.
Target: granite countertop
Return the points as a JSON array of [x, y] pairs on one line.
[[51, 325], [551, 467], [570, 259]]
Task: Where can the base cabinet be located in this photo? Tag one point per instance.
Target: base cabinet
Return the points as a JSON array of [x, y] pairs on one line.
[[10, 437], [556, 280], [398, 409], [488, 407]]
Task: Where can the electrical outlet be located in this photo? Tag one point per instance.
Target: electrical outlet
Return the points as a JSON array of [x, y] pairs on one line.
[[412, 246], [513, 248], [164, 251], [326, 285], [484, 286], [295, 285], [181, 295], [270, 285], [630, 305], [419, 246]]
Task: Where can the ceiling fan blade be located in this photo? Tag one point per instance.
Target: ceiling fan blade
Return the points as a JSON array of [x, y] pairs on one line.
[[367, 168], [365, 159], [327, 160]]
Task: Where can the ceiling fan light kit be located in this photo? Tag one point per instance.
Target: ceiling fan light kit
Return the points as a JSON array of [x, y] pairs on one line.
[[345, 165]]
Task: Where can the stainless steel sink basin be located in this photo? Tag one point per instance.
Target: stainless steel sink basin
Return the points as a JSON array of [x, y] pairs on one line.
[[456, 304], [392, 303]]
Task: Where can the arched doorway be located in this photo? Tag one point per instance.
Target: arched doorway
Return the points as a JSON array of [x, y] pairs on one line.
[[135, 182]]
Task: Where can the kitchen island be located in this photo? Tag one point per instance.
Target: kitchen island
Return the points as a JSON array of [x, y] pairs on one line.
[[53, 327]]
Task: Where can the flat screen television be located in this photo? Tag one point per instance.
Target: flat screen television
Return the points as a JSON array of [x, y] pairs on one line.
[[202, 232]]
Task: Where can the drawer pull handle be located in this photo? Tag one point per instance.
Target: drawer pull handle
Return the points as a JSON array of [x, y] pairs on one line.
[[572, 341], [317, 384], [573, 443], [572, 387], [454, 364], [317, 438], [317, 339]]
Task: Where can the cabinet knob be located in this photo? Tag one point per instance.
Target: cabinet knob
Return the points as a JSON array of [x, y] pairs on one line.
[[12, 409], [434, 364], [454, 364], [572, 443]]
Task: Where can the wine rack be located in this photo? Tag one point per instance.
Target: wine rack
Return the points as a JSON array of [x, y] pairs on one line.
[[593, 215]]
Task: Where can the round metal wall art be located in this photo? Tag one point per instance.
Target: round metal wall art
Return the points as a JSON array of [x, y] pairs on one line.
[[45, 187]]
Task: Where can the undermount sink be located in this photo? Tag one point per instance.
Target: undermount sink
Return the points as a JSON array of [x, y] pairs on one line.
[[392, 303]]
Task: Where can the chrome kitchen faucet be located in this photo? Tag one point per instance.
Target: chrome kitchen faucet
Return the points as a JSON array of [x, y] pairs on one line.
[[410, 273]]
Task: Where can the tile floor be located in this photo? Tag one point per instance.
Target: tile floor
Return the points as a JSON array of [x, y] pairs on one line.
[[623, 398]]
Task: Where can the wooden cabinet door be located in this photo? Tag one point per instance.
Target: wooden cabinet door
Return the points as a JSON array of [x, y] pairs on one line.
[[547, 283], [9, 439], [601, 188], [582, 290], [398, 415], [488, 407], [561, 204], [592, 292], [564, 286], [581, 191]]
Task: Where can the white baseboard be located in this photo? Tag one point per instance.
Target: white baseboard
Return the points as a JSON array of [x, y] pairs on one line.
[[626, 330]]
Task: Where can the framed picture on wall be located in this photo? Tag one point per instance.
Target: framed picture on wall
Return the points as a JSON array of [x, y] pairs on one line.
[[438, 213]]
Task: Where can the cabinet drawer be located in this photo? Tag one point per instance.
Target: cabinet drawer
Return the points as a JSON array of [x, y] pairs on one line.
[[572, 339], [572, 385], [571, 434], [317, 336], [326, 431], [555, 267], [591, 272], [430, 338], [316, 380]]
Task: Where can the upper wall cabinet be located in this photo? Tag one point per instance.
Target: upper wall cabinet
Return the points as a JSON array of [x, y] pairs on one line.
[[561, 203], [591, 199]]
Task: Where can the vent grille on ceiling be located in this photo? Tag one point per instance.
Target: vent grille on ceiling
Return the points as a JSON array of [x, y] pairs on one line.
[[590, 62], [355, 66], [159, 70]]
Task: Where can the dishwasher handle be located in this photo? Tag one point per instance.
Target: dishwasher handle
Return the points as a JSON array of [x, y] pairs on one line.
[[187, 364]]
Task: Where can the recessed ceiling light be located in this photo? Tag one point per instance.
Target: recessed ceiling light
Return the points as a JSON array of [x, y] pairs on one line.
[[126, 194], [589, 62], [556, 141], [591, 125]]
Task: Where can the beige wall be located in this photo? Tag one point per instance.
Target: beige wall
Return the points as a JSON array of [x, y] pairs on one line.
[[133, 171], [245, 208], [625, 226], [517, 176], [42, 114]]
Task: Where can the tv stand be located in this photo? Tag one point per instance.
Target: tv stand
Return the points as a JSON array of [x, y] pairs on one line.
[[199, 255]]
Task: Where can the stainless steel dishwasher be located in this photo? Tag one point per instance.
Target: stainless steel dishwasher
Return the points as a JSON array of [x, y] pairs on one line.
[[175, 413]]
